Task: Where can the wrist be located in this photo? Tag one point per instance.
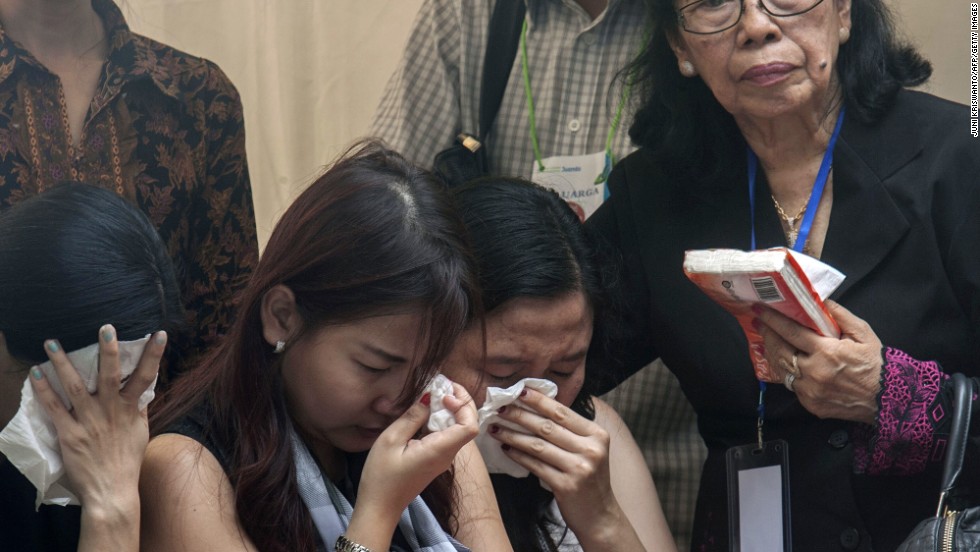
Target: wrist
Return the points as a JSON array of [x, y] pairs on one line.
[[113, 511], [371, 528], [346, 545], [110, 524], [605, 529]]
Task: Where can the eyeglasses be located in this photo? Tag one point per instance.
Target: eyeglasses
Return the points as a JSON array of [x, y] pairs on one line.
[[715, 16]]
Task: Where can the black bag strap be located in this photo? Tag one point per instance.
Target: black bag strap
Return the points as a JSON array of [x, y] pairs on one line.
[[956, 446], [503, 36]]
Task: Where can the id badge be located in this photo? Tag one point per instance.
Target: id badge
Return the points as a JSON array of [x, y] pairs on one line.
[[579, 179], [758, 497]]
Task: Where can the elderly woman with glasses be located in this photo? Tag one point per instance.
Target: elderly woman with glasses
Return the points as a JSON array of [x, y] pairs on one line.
[[788, 123]]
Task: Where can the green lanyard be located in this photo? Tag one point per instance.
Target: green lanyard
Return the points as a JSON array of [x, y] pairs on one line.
[[530, 107]]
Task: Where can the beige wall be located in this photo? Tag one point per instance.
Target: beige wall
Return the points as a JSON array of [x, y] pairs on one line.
[[311, 72], [941, 29]]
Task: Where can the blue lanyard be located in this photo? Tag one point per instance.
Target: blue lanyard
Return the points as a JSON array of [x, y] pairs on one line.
[[811, 211], [818, 186]]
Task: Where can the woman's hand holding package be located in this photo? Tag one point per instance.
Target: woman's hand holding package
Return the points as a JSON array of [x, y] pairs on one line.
[[400, 465], [103, 436], [833, 378]]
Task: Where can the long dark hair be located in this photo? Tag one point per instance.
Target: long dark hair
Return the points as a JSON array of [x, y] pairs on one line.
[[74, 258], [687, 130], [528, 242], [373, 234]]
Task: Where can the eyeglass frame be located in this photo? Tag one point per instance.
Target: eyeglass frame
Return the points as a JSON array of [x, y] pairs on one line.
[[741, 12]]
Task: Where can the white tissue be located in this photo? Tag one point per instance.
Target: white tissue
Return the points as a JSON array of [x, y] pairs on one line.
[[30, 441], [493, 456], [823, 277], [439, 417]]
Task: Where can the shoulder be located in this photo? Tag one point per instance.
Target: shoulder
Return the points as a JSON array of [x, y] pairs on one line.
[[608, 419], [916, 122], [928, 107], [195, 426], [172, 459], [179, 475], [182, 75], [923, 142], [927, 118], [458, 15], [188, 503]]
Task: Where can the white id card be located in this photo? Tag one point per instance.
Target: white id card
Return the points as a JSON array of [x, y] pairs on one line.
[[758, 498], [575, 177]]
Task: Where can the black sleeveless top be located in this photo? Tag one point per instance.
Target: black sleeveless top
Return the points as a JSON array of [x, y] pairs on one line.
[[195, 425], [50, 529]]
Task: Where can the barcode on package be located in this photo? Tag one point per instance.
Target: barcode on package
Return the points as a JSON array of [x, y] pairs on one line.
[[766, 289]]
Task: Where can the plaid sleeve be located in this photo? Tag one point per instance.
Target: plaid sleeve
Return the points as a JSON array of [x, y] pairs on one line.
[[419, 113]]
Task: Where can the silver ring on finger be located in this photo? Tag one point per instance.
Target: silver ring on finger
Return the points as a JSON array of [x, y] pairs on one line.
[[789, 380]]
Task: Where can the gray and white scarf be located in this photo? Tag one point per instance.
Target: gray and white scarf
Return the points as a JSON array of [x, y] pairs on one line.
[[331, 512]]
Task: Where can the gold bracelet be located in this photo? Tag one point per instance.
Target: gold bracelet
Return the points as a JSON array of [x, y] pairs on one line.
[[346, 545]]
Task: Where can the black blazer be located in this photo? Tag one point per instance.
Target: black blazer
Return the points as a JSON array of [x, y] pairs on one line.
[[904, 229]]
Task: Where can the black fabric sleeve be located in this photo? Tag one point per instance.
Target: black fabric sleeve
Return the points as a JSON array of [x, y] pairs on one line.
[[633, 348]]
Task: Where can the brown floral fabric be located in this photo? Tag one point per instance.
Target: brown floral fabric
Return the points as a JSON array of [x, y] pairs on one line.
[[164, 130]]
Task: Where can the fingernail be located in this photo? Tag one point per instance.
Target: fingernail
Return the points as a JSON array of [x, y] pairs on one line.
[[523, 392], [494, 428], [505, 446], [502, 409], [757, 324], [36, 373], [160, 338], [108, 333], [426, 399], [756, 308], [52, 345]]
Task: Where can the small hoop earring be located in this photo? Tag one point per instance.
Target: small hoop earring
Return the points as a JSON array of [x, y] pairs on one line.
[[844, 34], [687, 69], [280, 347]]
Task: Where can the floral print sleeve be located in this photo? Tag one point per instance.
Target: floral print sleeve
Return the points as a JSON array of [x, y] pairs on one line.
[[221, 241], [910, 429]]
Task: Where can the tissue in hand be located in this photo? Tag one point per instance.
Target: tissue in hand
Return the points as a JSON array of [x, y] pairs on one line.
[[30, 441], [439, 416], [493, 455]]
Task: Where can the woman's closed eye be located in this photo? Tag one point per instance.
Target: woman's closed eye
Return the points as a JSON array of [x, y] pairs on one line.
[[500, 378], [373, 369]]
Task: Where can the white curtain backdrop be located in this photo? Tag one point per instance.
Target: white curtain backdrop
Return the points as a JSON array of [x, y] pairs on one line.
[[311, 72]]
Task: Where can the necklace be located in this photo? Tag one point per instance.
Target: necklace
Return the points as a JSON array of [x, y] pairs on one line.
[[791, 222]]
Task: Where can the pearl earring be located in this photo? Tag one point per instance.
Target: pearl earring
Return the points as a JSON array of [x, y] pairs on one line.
[[280, 347], [844, 34], [687, 69]]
